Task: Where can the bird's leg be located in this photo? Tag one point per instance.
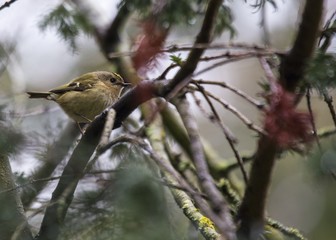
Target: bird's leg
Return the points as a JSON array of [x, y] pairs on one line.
[[82, 116], [82, 128]]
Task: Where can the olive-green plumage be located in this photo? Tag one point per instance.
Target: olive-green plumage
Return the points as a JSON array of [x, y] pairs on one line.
[[86, 96]]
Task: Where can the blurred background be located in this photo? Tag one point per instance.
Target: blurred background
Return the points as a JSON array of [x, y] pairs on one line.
[[37, 58]]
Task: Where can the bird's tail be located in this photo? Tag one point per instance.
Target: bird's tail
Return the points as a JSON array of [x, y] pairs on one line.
[[38, 94]]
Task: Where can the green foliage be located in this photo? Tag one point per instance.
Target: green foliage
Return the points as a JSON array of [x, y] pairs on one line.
[[321, 73], [321, 163], [130, 204], [10, 139], [224, 21], [176, 59], [259, 4], [170, 13], [177, 12], [5, 51], [68, 22], [330, 29], [328, 33]]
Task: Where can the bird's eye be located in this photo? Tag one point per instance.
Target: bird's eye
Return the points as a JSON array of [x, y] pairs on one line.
[[113, 80]]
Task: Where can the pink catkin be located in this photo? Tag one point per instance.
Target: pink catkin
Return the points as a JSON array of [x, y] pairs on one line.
[[149, 44], [284, 124]]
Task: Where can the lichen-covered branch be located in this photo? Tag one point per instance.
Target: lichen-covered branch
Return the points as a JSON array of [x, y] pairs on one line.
[[202, 223], [217, 201]]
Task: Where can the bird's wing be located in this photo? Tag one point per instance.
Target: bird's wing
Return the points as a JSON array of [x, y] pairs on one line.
[[73, 86]]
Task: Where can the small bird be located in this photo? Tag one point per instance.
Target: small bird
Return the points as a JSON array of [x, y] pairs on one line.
[[85, 97]]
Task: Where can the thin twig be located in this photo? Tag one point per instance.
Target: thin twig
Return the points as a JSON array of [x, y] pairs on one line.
[[34, 112], [326, 132], [227, 132], [268, 72], [224, 129], [235, 165], [165, 72], [30, 182], [223, 62], [178, 187], [103, 148], [249, 49], [237, 91], [288, 231], [328, 99], [312, 117], [7, 4], [233, 110], [48, 179], [326, 34], [187, 47], [240, 55]]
